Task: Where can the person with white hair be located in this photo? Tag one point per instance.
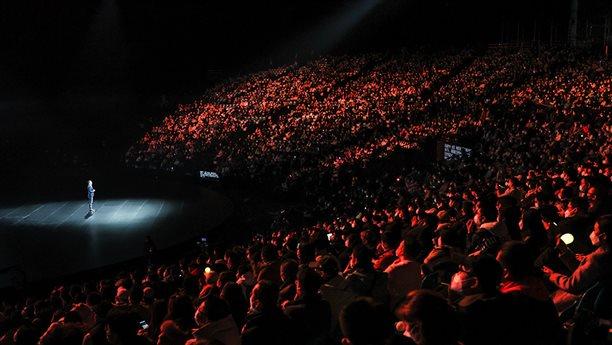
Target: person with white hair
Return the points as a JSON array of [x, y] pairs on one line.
[[90, 195]]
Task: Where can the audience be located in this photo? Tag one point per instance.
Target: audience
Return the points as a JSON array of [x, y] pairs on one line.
[[504, 245]]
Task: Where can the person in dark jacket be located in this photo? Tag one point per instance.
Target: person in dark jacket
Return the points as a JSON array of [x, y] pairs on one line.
[[363, 280], [429, 319], [365, 322], [529, 316], [122, 328], [309, 310], [266, 323], [476, 293]]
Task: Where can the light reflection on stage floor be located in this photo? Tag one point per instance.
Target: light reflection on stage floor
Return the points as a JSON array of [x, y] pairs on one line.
[[109, 213], [52, 239]]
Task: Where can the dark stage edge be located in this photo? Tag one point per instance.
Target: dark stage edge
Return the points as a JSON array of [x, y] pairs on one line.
[[46, 240]]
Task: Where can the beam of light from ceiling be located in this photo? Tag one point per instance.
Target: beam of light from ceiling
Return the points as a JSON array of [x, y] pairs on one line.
[[323, 37]]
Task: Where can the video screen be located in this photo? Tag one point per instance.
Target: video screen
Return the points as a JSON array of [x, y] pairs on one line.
[[455, 151]]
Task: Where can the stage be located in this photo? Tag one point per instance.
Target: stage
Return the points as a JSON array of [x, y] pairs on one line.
[[43, 240]]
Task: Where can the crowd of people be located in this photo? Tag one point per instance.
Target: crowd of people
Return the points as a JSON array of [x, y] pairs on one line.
[[284, 116], [510, 245]]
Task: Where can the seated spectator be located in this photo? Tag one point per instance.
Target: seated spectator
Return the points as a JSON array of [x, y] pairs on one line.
[[306, 254], [225, 277], [288, 272], [491, 223], [215, 323], [136, 302], [180, 310], [350, 242], [429, 319], [519, 272], [96, 335], [598, 204], [488, 234], [86, 315], [266, 323], [509, 214], [122, 298], [170, 334], [524, 290], [476, 294], [577, 223], [363, 280], [270, 265], [233, 294], [512, 189], [404, 275], [246, 278], [63, 334], [26, 335], [309, 310], [446, 253], [593, 268], [335, 288], [365, 322], [532, 230], [122, 328], [386, 256]]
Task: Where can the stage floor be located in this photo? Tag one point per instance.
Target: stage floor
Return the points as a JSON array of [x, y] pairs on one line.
[[50, 239]]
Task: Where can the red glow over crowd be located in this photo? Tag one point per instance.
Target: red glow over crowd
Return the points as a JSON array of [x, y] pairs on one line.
[[510, 245]]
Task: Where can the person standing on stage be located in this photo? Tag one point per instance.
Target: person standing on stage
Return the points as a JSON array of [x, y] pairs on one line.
[[90, 195]]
